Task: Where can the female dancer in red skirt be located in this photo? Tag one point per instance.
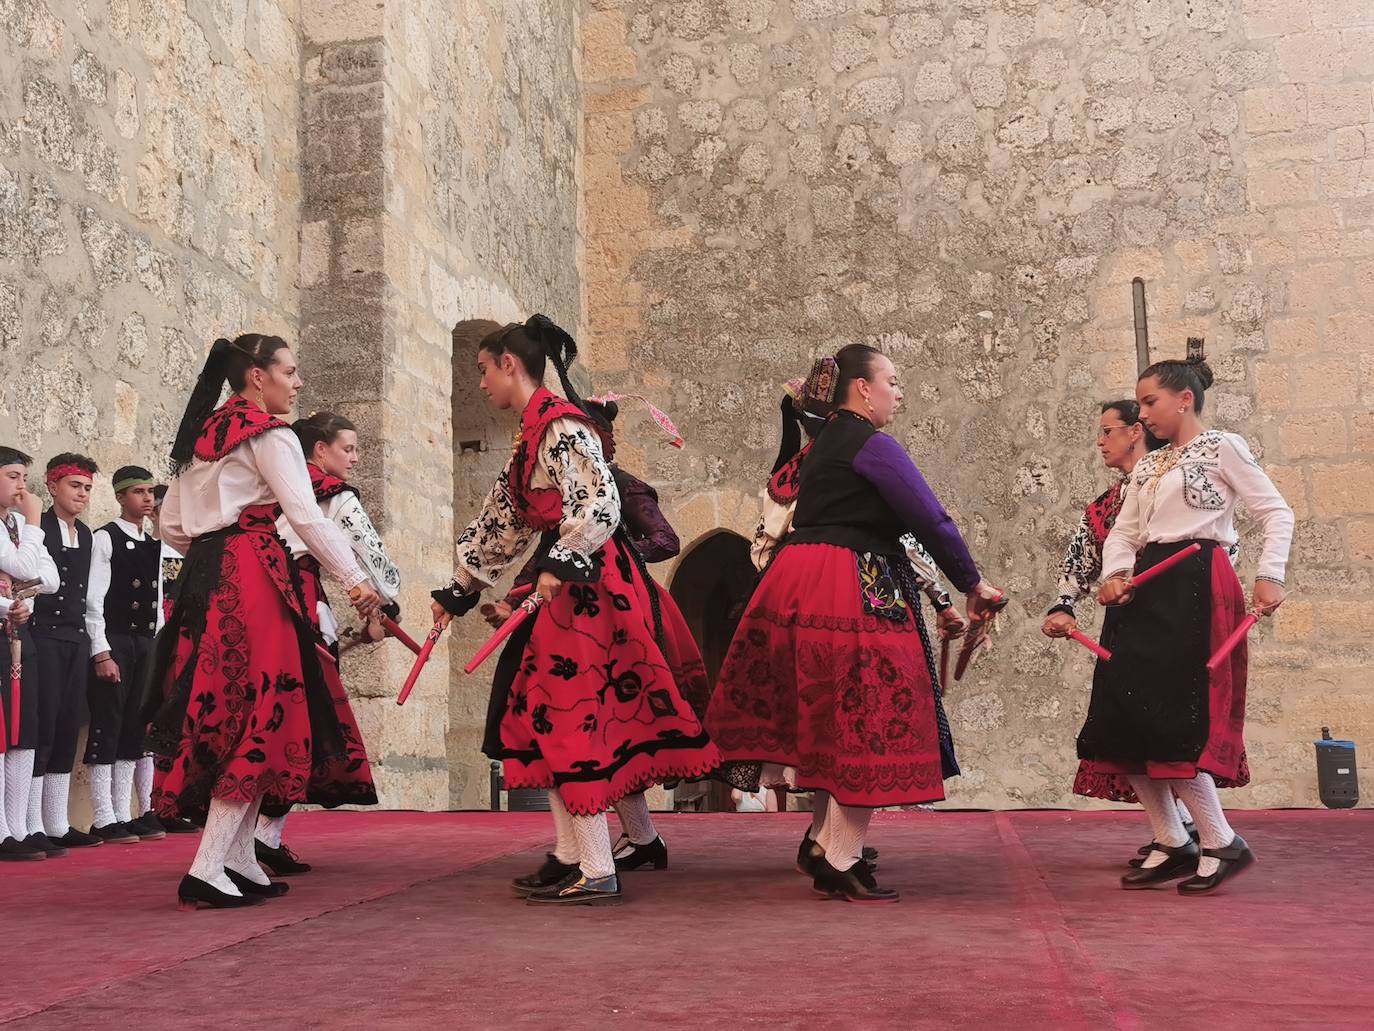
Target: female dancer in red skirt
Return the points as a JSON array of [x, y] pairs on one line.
[[1157, 715], [584, 702], [779, 506], [648, 531], [243, 714], [330, 443], [828, 672]]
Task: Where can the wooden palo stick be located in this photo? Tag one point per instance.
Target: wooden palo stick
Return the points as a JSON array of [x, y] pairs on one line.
[[525, 611], [434, 634], [1229, 645], [16, 683], [1146, 575], [1092, 646], [394, 629]]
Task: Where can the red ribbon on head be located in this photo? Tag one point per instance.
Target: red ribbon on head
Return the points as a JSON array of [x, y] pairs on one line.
[[59, 472]]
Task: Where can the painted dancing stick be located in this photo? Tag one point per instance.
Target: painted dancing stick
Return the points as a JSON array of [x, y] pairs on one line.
[[1092, 646], [16, 682], [435, 633], [977, 634], [394, 629], [1229, 645], [325, 654], [1146, 575], [525, 611]]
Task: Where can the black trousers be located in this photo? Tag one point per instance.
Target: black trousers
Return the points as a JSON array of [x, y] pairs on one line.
[[63, 667], [28, 689], [117, 730]]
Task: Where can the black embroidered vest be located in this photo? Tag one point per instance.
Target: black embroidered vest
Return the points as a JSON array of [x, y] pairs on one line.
[[131, 598]]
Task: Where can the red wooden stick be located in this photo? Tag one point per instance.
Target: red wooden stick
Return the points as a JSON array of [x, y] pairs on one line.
[[1146, 575], [16, 683], [326, 655], [527, 608], [1092, 646], [420, 661], [1229, 645], [394, 629]]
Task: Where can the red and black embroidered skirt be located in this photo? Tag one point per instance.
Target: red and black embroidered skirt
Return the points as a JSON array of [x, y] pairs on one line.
[[1155, 708], [814, 681], [241, 710], [584, 698]]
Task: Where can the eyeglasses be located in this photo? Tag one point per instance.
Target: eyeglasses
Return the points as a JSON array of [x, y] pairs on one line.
[[1105, 432]]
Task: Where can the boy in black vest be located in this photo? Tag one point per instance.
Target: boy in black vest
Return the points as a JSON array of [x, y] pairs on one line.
[[59, 632], [121, 619]]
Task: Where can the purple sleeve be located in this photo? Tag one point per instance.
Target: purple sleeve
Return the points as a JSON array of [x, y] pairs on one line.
[[639, 512], [885, 464]]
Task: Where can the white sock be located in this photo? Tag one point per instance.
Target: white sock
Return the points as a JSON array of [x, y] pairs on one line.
[[1157, 797], [594, 845], [4, 820], [56, 789], [102, 804], [1183, 813], [843, 835], [270, 829], [565, 846], [242, 857], [143, 784], [122, 790], [635, 820], [221, 824], [1200, 795], [35, 805], [820, 806], [18, 775]]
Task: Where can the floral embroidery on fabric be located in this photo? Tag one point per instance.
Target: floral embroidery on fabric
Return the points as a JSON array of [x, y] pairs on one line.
[[878, 588], [230, 425]]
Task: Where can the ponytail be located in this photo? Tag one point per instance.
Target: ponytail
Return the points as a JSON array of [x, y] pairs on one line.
[[560, 348], [791, 432]]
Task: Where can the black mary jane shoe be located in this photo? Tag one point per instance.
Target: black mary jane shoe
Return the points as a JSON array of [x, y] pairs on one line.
[[809, 856], [193, 893], [579, 890], [1235, 857], [1145, 850], [280, 860], [270, 890], [553, 872], [853, 885], [655, 853], [51, 849], [1181, 860]]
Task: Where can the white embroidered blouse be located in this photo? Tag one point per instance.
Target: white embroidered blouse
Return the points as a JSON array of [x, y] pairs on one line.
[[1192, 494], [570, 461]]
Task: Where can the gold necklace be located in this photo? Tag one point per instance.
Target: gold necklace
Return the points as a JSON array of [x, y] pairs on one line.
[[1165, 465]]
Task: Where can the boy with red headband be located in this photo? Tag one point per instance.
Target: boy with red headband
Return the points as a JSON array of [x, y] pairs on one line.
[[59, 630]]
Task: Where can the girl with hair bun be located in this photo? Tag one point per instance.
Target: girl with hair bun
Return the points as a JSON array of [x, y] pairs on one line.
[[1158, 716], [242, 714], [584, 700]]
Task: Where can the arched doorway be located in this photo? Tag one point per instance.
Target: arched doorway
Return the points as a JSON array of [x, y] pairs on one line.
[[711, 585]]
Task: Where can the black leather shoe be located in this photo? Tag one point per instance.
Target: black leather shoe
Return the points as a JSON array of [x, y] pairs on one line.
[[551, 873], [193, 893], [577, 890], [12, 850], [1181, 860], [655, 852], [115, 834], [172, 824], [281, 860], [809, 856], [50, 848], [145, 831], [1235, 857], [870, 856], [1145, 850], [78, 839], [246, 887], [853, 885]]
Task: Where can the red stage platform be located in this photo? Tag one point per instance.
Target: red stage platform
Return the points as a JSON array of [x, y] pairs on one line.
[[1007, 920]]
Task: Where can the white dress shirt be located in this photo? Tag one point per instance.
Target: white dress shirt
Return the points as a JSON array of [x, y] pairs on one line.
[[27, 561]]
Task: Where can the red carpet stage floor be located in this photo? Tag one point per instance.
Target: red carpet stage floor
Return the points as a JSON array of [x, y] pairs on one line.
[[1007, 920]]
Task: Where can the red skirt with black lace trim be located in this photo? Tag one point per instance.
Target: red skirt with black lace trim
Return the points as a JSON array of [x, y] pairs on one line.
[[814, 682]]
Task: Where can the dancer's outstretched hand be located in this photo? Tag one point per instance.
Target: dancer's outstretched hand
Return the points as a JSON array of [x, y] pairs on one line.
[[365, 599], [1268, 596], [1059, 624], [1117, 590], [950, 625], [984, 602], [548, 586], [442, 616]]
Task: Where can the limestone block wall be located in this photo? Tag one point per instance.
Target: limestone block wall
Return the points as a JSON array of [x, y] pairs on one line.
[[972, 186]]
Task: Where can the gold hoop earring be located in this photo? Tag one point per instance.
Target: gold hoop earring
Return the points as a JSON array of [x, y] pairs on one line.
[[262, 401]]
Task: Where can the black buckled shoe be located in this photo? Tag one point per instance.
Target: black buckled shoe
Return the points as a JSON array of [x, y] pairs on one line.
[[249, 887], [78, 839], [50, 848], [115, 834], [12, 850], [1235, 857], [853, 885], [633, 856], [554, 871], [145, 831], [193, 893], [1181, 860], [280, 860], [809, 856], [579, 890], [1145, 850]]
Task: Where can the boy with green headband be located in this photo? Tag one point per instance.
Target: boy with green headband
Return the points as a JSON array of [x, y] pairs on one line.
[[121, 619]]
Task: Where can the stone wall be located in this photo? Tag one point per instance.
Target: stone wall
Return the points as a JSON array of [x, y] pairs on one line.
[[972, 186]]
